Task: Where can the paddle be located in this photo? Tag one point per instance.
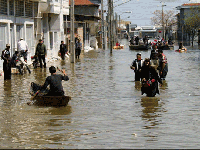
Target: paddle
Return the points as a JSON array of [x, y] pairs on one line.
[[35, 95], [32, 98], [61, 70]]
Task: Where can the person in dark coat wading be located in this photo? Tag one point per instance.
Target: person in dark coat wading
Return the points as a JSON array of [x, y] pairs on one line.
[[78, 45], [41, 53], [136, 66], [62, 50], [150, 79], [7, 62]]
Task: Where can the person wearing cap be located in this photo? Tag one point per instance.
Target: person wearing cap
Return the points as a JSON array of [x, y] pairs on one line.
[[22, 48], [136, 66], [55, 82], [149, 73], [163, 64], [7, 62], [41, 53]]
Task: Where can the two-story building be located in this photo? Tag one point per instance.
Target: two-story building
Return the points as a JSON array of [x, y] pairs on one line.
[[86, 21], [32, 20], [181, 31]]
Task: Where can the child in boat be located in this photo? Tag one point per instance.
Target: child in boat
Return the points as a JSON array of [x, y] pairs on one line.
[[55, 82]]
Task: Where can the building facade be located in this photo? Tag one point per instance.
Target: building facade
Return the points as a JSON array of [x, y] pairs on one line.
[[182, 34], [86, 21], [32, 20]]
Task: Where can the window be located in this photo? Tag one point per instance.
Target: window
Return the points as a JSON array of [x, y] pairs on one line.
[[28, 9], [11, 7], [19, 6], [3, 7], [35, 8]]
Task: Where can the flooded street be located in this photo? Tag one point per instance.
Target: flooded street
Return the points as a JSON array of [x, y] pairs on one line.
[[106, 109]]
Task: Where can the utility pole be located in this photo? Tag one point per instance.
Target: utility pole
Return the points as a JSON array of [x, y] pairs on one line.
[[110, 24], [72, 49], [102, 25], [119, 29], [163, 21]]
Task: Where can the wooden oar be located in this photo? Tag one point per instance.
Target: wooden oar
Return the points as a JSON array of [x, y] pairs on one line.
[[61, 71], [35, 95]]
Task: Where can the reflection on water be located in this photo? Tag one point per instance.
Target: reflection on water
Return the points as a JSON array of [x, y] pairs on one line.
[[138, 85], [107, 109], [150, 111]]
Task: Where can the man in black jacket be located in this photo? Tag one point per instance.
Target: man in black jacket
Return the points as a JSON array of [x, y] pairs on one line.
[[7, 62], [62, 50], [41, 52], [55, 82], [136, 66]]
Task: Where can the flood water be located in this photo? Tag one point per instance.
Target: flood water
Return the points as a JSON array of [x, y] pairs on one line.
[[107, 109]]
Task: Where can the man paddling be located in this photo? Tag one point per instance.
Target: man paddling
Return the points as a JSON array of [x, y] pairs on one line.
[[55, 82]]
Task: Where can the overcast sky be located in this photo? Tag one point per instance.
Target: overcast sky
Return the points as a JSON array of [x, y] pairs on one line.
[[142, 10]]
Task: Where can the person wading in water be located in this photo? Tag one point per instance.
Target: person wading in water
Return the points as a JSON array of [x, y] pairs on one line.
[[154, 56], [150, 79], [136, 66], [163, 64], [7, 62], [41, 52], [62, 50]]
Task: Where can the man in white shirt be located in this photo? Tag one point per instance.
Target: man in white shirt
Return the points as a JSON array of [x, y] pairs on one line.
[[22, 48]]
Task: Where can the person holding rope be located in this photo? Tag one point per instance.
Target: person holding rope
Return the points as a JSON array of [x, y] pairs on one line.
[[55, 82]]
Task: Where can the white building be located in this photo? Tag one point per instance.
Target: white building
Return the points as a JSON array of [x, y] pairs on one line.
[[32, 20]]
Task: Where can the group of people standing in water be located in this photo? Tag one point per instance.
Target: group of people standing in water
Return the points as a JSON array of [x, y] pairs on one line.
[[151, 70]]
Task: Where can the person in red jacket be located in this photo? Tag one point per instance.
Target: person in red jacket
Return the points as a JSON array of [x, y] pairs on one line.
[[117, 44]]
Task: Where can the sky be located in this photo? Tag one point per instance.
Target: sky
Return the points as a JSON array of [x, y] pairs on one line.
[[142, 10]]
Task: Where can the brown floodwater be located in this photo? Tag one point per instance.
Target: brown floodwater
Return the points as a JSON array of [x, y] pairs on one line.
[[106, 109]]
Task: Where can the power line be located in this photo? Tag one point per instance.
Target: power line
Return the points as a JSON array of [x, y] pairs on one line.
[[122, 3]]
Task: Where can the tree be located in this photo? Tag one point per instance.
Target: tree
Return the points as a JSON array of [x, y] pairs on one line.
[[169, 18], [192, 22]]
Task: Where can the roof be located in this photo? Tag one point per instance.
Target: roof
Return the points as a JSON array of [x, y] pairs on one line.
[[191, 4], [83, 2]]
